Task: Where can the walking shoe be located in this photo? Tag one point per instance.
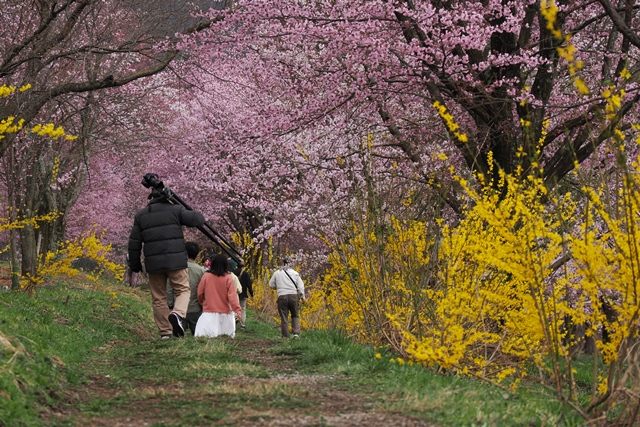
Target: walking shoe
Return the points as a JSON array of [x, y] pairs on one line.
[[295, 336], [165, 337], [176, 324]]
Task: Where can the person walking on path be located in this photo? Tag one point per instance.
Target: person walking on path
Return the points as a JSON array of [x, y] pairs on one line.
[[233, 267], [195, 272], [157, 232], [218, 296], [290, 288], [247, 291]]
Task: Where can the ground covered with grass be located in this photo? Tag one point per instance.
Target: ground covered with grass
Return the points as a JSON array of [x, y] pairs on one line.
[[88, 355]]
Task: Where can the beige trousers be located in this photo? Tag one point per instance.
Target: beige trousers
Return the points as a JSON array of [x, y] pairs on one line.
[[243, 306], [179, 280]]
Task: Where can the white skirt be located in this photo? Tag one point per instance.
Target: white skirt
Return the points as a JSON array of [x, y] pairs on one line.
[[216, 324]]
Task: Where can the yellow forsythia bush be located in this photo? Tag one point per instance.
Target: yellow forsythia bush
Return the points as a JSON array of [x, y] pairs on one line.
[[377, 280], [60, 262], [498, 304], [609, 265], [503, 294]]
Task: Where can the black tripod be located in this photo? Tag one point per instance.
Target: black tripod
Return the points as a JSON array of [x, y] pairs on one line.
[[151, 180]]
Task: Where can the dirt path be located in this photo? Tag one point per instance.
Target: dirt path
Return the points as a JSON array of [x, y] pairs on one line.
[[245, 383], [329, 403]]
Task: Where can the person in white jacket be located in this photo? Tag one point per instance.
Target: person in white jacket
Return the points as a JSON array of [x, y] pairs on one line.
[[290, 288]]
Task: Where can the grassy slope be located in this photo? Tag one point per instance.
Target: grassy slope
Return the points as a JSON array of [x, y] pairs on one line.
[[98, 351], [48, 337], [443, 399]]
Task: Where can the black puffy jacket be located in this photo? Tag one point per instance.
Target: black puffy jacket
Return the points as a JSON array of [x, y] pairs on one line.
[[158, 228]]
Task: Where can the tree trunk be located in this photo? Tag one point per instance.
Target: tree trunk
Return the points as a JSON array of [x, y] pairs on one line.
[[29, 252], [15, 268]]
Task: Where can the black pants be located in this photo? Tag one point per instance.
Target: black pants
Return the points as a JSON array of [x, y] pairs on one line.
[[289, 304], [191, 320]]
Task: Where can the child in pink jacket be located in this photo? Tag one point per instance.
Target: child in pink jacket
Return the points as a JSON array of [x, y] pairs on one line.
[[218, 296]]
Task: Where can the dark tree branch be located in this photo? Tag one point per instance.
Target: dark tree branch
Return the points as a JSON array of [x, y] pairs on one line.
[[619, 22], [27, 105], [562, 162], [6, 67]]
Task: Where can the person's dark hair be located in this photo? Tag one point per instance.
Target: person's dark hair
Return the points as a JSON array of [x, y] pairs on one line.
[[192, 249], [219, 265], [233, 266]]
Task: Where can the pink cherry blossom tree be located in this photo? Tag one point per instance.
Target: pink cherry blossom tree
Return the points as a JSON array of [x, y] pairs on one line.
[[68, 51], [284, 93], [294, 113]]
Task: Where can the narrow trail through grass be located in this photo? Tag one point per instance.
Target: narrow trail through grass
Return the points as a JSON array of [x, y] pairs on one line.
[[90, 356], [250, 380]]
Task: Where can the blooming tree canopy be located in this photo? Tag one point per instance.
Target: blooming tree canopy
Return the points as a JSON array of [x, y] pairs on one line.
[[292, 100]]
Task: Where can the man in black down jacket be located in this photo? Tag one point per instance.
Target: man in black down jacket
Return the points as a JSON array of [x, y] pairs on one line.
[[157, 229]]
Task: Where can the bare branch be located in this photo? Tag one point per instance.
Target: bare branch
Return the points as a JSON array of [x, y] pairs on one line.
[[619, 22]]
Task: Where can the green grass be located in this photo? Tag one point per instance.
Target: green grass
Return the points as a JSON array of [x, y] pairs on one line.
[[190, 381], [48, 338], [442, 399], [94, 354]]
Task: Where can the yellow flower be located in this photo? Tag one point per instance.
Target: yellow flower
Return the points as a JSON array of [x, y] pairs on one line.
[[6, 90], [449, 122], [625, 74], [52, 131]]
